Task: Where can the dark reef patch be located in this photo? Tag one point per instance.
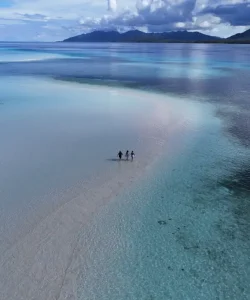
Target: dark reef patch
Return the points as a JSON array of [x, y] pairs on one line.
[[239, 186], [239, 182], [161, 222], [237, 124]]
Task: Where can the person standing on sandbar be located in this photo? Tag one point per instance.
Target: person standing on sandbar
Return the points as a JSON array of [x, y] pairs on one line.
[[120, 154], [132, 155], [127, 154]]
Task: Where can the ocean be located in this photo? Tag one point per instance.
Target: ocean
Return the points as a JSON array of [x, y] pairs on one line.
[[76, 223]]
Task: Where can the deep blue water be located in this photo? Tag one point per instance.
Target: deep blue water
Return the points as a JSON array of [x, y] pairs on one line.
[[182, 233]]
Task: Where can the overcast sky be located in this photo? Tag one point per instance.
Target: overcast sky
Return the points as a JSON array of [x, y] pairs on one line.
[[51, 20]]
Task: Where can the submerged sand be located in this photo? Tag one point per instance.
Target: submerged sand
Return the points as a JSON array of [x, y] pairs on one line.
[[36, 265]]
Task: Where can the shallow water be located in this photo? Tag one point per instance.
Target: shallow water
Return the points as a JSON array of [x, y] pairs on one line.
[[55, 138], [182, 232]]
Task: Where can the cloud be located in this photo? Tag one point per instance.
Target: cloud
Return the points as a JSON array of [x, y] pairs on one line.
[[165, 11], [112, 5], [151, 14], [236, 14], [34, 17], [166, 15]]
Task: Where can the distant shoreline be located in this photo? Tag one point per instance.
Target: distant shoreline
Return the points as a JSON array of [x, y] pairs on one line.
[[161, 42], [137, 36]]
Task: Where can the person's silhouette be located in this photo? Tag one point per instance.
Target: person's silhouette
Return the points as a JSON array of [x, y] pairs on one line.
[[132, 155], [120, 154], [127, 154]]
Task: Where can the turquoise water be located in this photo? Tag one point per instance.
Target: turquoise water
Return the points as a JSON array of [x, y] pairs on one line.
[[178, 234], [181, 231]]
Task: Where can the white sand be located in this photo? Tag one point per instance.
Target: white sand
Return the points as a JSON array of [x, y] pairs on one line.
[[36, 266]]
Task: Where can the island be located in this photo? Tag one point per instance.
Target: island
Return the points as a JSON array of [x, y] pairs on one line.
[[137, 36]]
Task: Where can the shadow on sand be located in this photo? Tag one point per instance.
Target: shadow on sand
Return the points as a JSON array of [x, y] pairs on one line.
[[117, 159]]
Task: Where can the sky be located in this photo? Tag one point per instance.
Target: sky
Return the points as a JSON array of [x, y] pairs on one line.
[[54, 20]]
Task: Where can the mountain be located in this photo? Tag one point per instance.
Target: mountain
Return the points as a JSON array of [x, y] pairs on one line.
[[139, 36], [96, 36], [244, 36]]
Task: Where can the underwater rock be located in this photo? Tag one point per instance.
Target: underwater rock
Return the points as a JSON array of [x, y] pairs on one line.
[[161, 222]]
